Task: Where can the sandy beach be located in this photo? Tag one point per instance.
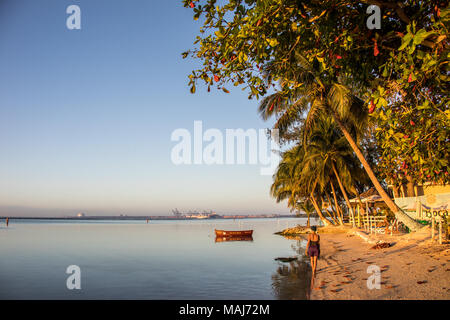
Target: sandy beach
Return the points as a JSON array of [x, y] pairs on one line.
[[411, 268]]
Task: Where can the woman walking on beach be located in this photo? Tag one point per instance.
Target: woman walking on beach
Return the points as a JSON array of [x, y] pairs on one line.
[[313, 249]]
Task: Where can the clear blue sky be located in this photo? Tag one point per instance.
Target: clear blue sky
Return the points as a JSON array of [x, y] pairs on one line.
[[86, 115]]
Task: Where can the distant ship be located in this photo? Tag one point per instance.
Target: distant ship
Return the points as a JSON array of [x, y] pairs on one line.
[[195, 214]]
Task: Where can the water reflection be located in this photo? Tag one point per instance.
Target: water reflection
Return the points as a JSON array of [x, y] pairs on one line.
[[135, 260], [224, 239], [292, 280]]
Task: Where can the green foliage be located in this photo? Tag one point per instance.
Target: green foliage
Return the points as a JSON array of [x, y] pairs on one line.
[[411, 113], [305, 50]]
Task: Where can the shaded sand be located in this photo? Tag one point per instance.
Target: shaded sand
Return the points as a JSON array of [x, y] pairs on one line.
[[411, 268]]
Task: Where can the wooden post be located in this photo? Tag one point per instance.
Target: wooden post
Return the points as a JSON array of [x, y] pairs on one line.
[[359, 216], [440, 231], [418, 209], [367, 214], [432, 226]]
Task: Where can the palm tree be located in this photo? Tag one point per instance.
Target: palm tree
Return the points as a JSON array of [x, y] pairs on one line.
[[307, 207], [314, 179], [329, 146], [295, 183], [313, 93]]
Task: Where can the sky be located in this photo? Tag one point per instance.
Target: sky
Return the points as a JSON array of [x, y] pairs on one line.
[[86, 116]]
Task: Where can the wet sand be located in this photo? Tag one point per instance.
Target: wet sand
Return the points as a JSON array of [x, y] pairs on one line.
[[410, 269]]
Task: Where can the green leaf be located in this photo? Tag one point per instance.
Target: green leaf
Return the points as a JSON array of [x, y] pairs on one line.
[[405, 41], [421, 35]]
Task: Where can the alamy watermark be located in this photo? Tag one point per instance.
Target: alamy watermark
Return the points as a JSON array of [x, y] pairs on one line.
[[374, 21], [234, 146], [374, 280], [74, 20], [74, 280]]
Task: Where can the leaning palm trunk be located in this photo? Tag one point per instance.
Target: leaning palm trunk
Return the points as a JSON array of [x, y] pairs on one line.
[[400, 215], [319, 213], [328, 214], [340, 217], [335, 220], [344, 193], [361, 205]]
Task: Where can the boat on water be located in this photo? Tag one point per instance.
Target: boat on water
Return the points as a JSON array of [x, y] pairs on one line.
[[233, 233], [233, 238]]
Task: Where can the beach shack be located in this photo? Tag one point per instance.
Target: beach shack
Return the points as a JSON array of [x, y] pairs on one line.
[[430, 204], [369, 209], [428, 201]]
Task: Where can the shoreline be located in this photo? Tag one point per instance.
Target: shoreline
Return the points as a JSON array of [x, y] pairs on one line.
[[412, 268], [154, 218]]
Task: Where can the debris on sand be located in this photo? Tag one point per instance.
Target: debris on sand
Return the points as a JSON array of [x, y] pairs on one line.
[[381, 245]]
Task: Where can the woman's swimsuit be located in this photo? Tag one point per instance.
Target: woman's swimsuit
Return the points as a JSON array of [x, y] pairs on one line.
[[314, 248]]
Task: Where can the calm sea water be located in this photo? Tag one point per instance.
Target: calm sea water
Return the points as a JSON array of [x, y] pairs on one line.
[[158, 260]]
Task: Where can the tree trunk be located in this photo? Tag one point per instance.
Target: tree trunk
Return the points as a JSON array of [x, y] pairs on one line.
[[395, 190], [336, 222], [360, 202], [399, 214], [410, 187], [319, 213], [336, 204], [343, 192]]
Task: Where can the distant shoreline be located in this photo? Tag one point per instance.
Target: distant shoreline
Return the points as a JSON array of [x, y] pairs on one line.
[[152, 217]]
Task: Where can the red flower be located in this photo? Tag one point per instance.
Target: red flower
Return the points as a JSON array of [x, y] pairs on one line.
[[410, 78], [372, 107], [191, 5], [216, 78], [338, 57], [375, 49], [411, 122]]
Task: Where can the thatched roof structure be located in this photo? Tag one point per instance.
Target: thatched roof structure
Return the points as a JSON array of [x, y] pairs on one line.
[[370, 196]]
